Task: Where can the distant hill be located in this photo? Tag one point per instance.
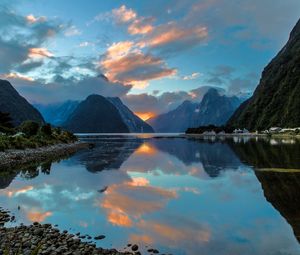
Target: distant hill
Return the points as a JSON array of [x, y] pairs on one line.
[[17, 106], [96, 114], [276, 100], [214, 109], [133, 122], [58, 113]]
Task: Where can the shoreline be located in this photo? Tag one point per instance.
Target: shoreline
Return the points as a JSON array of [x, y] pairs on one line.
[[45, 239], [13, 158]]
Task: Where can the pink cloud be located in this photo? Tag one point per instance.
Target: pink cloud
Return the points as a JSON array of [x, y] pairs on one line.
[[39, 53], [124, 62], [124, 14], [173, 33]]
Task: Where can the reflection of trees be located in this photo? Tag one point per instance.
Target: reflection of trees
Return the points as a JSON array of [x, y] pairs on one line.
[[261, 154], [108, 153], [27, 171], [214, 156], [281, 189]]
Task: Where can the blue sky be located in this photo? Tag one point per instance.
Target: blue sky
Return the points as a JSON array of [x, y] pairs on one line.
[[155, 54]]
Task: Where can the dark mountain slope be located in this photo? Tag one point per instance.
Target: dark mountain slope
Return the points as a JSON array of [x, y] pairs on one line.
[[276, 100], [133, 122], [17, 106], [96, 114]]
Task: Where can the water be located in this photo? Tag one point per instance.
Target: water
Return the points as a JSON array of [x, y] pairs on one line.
[[178, 195]]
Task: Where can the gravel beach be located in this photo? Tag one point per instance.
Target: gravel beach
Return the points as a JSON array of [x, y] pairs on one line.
[[45, 239], [13, 158]]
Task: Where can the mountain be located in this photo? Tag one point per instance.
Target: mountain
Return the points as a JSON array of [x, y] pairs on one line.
[[214, 109], [177, 120], [16, 105], [57, 114], [276, 100], [96, 114], [133, 122]]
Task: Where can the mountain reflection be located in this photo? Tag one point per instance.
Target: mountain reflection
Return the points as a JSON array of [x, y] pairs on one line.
[[108, 153], [214, 156], [180, 196], [281, 189]]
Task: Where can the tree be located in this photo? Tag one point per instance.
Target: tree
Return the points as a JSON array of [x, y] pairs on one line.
[[5, 120], [46, 129], [29, 128]]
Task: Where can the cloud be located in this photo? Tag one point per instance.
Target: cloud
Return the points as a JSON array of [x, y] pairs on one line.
[[123, 205], [31, 19], [141, 26], [39, 53], [36, 216], [174, 37], [258, 21], [67, 89], [236, 84], [124, 14], [193, 76], [22, 37], [125, 63], [72, 31], [17, 76], [85, 44], [147, 105]]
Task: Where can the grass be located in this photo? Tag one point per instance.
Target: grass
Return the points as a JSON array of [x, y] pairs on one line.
[[41, 137]]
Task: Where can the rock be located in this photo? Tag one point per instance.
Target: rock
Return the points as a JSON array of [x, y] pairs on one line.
[[99, 237], [135, 247]]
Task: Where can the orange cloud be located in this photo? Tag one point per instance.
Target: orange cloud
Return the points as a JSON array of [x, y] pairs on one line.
[[118, 50], [38, 216], [39, 53], [123, 14], [173, 234], [17, 76], [170, 33], [145, 115], [140, 27], [119, 219], [124, 203], [125, 63], [145, 239], [15, 192]]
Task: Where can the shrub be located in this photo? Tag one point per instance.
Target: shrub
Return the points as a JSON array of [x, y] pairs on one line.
[[29, 128], [46, 130]]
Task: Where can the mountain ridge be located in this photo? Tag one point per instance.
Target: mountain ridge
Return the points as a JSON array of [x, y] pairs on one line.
[[275, 101], [17, 106], [214, 109]]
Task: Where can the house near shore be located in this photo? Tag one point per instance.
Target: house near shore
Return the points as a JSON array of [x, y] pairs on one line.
[[275, 129]]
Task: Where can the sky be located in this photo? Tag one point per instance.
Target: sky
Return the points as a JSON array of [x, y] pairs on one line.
[[152, 54]]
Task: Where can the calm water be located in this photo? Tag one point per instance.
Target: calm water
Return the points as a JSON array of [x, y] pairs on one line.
[[180, 196]]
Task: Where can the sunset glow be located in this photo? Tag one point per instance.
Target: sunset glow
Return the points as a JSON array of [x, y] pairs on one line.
[[145, 115]]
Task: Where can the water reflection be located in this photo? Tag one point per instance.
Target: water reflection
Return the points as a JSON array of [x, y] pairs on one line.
[[183, 196]]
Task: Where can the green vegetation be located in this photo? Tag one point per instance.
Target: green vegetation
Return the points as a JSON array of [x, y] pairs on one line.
[[209, 128], [276, 101], [31, 135]]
